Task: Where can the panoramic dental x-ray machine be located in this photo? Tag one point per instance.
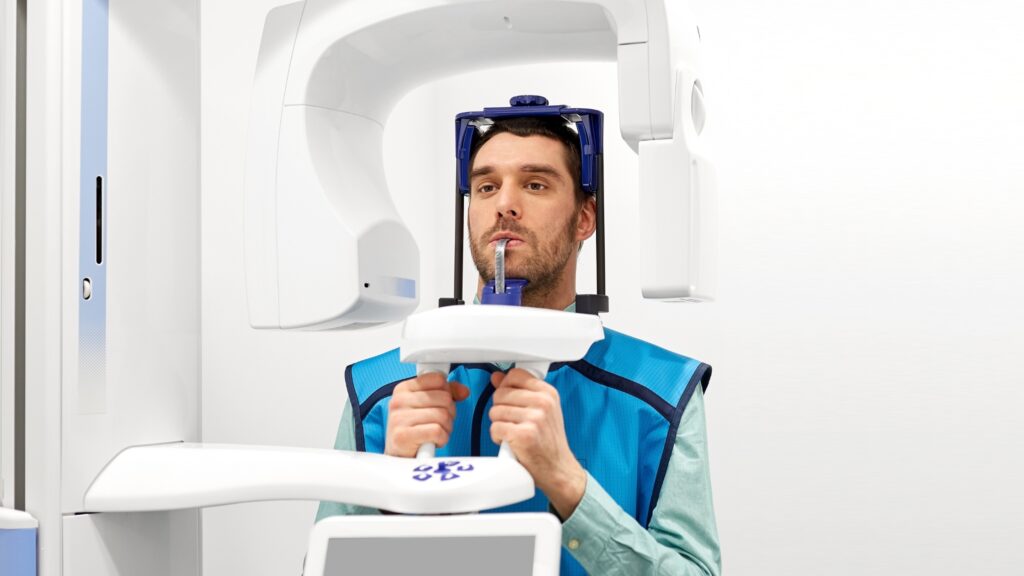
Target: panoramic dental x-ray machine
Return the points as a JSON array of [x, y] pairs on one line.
[[325, 249]]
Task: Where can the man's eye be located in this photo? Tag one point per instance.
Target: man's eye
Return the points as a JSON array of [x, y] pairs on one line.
[[485, 188], [536, 186]]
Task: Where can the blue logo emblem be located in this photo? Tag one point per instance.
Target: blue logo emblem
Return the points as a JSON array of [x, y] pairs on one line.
[[445, 471]]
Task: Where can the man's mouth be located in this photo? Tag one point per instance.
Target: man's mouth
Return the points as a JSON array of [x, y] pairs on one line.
[[511, 244], [513, 240]]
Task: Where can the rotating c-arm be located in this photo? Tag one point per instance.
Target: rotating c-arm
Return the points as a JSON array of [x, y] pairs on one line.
[[325, 247]]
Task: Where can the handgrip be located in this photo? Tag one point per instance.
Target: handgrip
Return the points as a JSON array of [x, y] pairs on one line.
[[537, 369], [427, 450]]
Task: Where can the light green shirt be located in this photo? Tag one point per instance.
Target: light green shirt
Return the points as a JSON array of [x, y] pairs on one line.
[[682, 539]]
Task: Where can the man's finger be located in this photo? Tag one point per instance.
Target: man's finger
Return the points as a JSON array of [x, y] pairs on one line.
[[459, 391], [500, 431], [511, 414], [435, 381], [424, 433], [519, 378], [424, 399], [516, 397], [428, 381], [410, 418]]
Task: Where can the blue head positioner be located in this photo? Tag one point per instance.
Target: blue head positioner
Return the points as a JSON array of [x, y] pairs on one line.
[[589, 125]]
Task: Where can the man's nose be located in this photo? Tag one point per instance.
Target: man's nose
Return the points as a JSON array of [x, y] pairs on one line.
[[509, 203]]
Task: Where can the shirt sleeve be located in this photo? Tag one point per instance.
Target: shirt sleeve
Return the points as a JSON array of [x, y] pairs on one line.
[[345, 440], [682, 538]]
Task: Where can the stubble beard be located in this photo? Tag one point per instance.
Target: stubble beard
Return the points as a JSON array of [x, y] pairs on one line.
[[543, 267]]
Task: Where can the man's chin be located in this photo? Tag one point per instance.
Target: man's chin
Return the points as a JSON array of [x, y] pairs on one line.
[[516, 272], [510, 275]]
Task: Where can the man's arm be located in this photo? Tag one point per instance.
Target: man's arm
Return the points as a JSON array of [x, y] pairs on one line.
[[682, 538], [346, 440]]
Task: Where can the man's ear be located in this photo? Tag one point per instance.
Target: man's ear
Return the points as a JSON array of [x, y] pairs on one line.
[[586, 224]]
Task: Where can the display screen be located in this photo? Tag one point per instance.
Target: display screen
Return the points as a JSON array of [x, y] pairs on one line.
[[440, 556]]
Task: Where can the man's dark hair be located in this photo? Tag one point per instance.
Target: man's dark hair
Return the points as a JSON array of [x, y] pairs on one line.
[[553, 127]]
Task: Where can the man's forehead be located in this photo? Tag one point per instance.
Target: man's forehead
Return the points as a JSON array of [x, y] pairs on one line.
[[525, 153]]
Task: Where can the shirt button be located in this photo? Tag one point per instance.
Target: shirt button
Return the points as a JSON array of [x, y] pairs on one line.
[[574, 544]]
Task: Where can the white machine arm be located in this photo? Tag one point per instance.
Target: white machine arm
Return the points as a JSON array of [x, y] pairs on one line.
[[177, 476], [325, 247]]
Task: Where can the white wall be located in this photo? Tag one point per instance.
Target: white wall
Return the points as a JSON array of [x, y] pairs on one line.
[[865, 413], [863, 409]]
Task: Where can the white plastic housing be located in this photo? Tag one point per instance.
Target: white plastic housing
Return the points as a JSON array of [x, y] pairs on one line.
[[11, 519], [185, 475], [491, 333], [324, 245], [678, 207]]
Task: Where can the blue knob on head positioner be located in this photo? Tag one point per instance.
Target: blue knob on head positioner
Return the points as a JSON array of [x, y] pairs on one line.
[[513, 295], [528, 100]]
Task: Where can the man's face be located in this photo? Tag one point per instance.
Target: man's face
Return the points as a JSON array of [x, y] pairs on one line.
[[521, 189]]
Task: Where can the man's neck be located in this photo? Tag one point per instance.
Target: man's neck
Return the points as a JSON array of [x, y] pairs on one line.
[[551, 300]]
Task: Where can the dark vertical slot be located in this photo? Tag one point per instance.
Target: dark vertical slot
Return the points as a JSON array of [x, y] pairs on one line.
[[460, 215], [599, 175], [99, 219], [19, 258], [595, 303]]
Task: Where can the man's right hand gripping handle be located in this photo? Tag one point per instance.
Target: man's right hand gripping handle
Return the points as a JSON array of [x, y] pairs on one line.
[[422, 411]]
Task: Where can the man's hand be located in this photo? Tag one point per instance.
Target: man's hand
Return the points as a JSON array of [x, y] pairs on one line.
[[528, 414], [422, 410]]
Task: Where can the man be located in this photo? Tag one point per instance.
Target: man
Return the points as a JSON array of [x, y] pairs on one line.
[[614, 442]]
